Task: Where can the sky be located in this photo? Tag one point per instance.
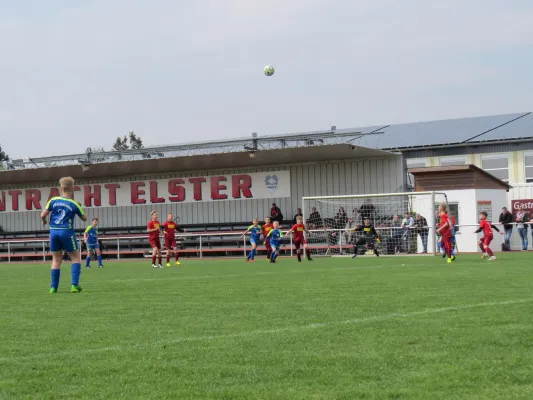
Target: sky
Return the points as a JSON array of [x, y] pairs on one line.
[[77, 74]]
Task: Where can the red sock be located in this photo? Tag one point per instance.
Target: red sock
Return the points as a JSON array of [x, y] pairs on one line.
[[308, 252], [153, 260], [482, 248], [160, 260], [489, 251], [168, 257], [177, 256], [298, 255]]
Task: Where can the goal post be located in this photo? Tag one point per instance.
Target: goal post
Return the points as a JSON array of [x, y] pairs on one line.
[[331, 218]]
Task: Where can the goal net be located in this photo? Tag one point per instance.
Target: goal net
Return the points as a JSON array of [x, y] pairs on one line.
[[405, 222]]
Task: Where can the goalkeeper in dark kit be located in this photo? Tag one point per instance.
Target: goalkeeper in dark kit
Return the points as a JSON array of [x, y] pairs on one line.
[[368, 238]]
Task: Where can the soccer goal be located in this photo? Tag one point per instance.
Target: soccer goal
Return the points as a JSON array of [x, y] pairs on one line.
[[405, 222]]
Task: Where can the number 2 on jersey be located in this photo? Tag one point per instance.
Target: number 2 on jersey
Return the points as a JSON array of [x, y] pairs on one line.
[[59, 219]]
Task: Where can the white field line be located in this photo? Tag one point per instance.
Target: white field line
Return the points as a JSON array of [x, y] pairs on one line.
[[245, 334]]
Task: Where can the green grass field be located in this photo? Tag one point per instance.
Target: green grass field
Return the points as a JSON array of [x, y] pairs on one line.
[[371, 328]]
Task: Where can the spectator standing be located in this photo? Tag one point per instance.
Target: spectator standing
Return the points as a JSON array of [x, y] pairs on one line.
[[522, 219], [298, 214], [356, 217], [422, 229], [396, 233], [367, 210], [350, 235], [315, 219], [341, 218], [275, 213], [408, 224], [506, 219]]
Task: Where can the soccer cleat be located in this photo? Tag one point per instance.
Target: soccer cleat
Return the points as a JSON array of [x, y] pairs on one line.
[[159, 266], [178, 263], [87, 267], [492, 258], [75, 289], [453, 258], [309, 259], [52, 290], [100, 266], [449, 261], [168, 264], [355, 255], [154, 266]]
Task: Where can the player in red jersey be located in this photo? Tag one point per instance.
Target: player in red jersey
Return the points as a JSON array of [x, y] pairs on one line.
[[153, 229], [484, 242], [265, 229], [169, 230], [445, 230], [298, 231]]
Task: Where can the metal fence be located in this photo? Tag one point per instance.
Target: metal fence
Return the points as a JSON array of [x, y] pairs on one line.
[[200, 245]]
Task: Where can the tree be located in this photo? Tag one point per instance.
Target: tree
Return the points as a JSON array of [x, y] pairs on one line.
[[121, 144], [129, 141], [135, 141], [5, 157]]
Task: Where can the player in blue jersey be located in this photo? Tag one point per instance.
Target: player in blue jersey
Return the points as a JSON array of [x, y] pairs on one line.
[[62, 211], [275, 236], [255, 234], [90, 236]]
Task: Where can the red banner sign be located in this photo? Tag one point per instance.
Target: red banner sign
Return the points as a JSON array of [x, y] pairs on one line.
[[527, 204], [259, 185]]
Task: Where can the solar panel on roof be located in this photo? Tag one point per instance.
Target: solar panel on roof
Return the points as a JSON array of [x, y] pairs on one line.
[[451, 131]]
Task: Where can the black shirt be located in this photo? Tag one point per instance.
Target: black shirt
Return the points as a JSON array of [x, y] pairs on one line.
[[506, 220], [369, 232]]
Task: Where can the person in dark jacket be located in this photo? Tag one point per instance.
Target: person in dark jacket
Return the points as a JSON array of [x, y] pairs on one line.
[[275, 213], [422, 229], [298, 214], [506, 219]]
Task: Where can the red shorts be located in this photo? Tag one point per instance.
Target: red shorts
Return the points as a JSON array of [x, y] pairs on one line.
[[446, 243], [299, 242], [486, 240], [170, 242], [155, 243]]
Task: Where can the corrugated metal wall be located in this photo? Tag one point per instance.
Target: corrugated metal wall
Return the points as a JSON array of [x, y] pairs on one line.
[[314, 179]]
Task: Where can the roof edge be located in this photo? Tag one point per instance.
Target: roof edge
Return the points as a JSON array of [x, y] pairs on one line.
[[457, 168]]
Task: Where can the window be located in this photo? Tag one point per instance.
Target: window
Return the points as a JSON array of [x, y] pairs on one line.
[[497, 165], [447, 161], [414, 163], [453, 211], [528, 163]]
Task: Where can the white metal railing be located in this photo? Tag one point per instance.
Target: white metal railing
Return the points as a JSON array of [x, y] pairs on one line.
[[318, 238]]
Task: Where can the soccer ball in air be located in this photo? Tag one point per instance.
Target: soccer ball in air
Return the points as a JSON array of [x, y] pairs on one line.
[[269, 70]]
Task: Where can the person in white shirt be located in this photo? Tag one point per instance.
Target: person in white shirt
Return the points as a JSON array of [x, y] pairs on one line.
[[408, 224]]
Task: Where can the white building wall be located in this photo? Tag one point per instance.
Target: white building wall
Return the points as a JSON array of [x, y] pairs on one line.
[[467, 201], [312, 179]]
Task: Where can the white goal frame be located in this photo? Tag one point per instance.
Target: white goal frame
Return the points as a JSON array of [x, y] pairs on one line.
[[430, 219]]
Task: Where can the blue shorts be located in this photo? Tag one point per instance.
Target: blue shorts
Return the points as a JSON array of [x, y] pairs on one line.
[[63, 240], [91, 246], [275, 246], [252, 241]]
